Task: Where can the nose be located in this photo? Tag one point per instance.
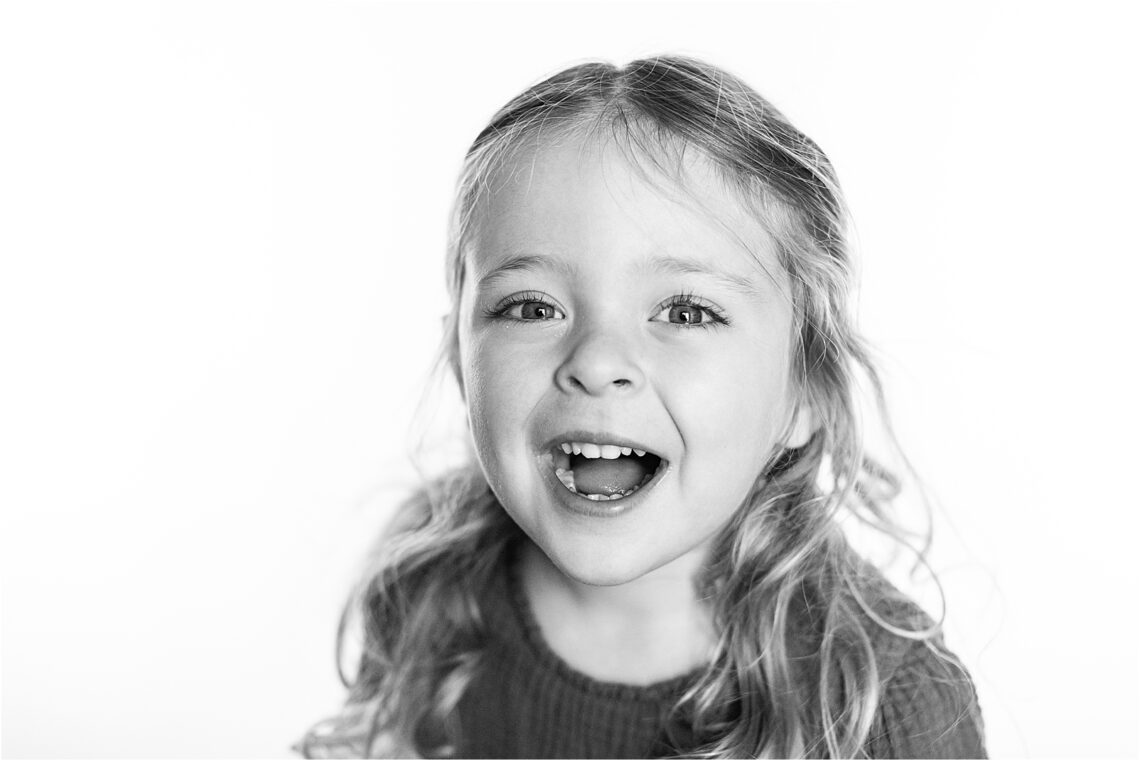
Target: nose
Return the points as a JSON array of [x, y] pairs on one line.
[[599, 362]]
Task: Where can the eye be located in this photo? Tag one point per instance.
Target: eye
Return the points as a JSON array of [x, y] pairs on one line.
[[683, 314], [688, 310], [534, 310], [526, 307]]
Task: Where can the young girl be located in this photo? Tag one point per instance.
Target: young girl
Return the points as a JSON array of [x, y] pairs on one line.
[[650, 330]]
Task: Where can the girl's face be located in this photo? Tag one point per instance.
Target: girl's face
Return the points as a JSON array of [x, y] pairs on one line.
[[598, 311]]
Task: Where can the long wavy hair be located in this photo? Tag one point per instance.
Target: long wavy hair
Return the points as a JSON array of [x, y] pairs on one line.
[[795, 671]]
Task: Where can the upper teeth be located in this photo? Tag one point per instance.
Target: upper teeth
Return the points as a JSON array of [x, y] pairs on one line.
[[594, 451]]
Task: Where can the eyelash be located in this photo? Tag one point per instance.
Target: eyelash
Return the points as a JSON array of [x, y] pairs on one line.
[[692, 300], [499, 311], [717, 318]]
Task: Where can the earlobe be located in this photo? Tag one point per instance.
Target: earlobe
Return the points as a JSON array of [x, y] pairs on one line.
[[801, 429], [454, 365], [458, 378]]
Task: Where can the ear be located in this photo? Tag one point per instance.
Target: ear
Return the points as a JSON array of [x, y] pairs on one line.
[[802, 427], [453, 357], [458, 373]]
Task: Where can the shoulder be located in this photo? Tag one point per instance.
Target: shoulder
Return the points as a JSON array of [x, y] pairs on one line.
[[928, 706]]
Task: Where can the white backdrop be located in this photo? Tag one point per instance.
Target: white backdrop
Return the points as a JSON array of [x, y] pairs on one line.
[[222, 230]]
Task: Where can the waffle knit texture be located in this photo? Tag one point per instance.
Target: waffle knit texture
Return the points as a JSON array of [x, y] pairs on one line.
[[526, 702]]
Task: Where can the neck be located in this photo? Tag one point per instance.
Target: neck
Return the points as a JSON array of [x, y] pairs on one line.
[[646, 630]]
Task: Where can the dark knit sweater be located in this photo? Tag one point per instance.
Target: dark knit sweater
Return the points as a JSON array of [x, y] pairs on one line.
[[526, 702]]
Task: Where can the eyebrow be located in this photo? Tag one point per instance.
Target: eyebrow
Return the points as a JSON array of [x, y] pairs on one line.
[[524, 263], [670, 264], [679, 266]]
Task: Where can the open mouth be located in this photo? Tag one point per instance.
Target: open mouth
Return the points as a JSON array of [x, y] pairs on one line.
[[604, 472]]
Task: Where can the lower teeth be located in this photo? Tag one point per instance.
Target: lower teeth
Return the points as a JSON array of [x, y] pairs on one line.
[[604, 498], [566, 477]]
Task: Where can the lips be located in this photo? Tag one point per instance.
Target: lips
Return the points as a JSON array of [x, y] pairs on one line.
[[603, 467]]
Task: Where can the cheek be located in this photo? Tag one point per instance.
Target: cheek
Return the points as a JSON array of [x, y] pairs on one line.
[[494, 372], [732, 401], [499, 394]]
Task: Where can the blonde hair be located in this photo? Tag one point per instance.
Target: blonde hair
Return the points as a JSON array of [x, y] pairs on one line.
[[795, 672]]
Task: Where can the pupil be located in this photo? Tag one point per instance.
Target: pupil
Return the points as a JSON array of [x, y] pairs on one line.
[[534, 310], [685, 315]]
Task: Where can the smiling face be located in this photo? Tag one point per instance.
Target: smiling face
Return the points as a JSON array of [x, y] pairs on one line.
[[600, 308]]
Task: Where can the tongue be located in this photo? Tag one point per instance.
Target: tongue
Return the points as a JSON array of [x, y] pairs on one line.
[[601, 476]]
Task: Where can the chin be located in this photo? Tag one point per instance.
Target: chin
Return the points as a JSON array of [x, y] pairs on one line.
[[602, 566], [600, 577]]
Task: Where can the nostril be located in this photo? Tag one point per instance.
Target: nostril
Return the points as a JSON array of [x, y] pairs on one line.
[[619, 382], [594, 383]]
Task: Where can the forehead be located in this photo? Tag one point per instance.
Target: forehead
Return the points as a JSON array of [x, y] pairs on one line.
[[570, 197]]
